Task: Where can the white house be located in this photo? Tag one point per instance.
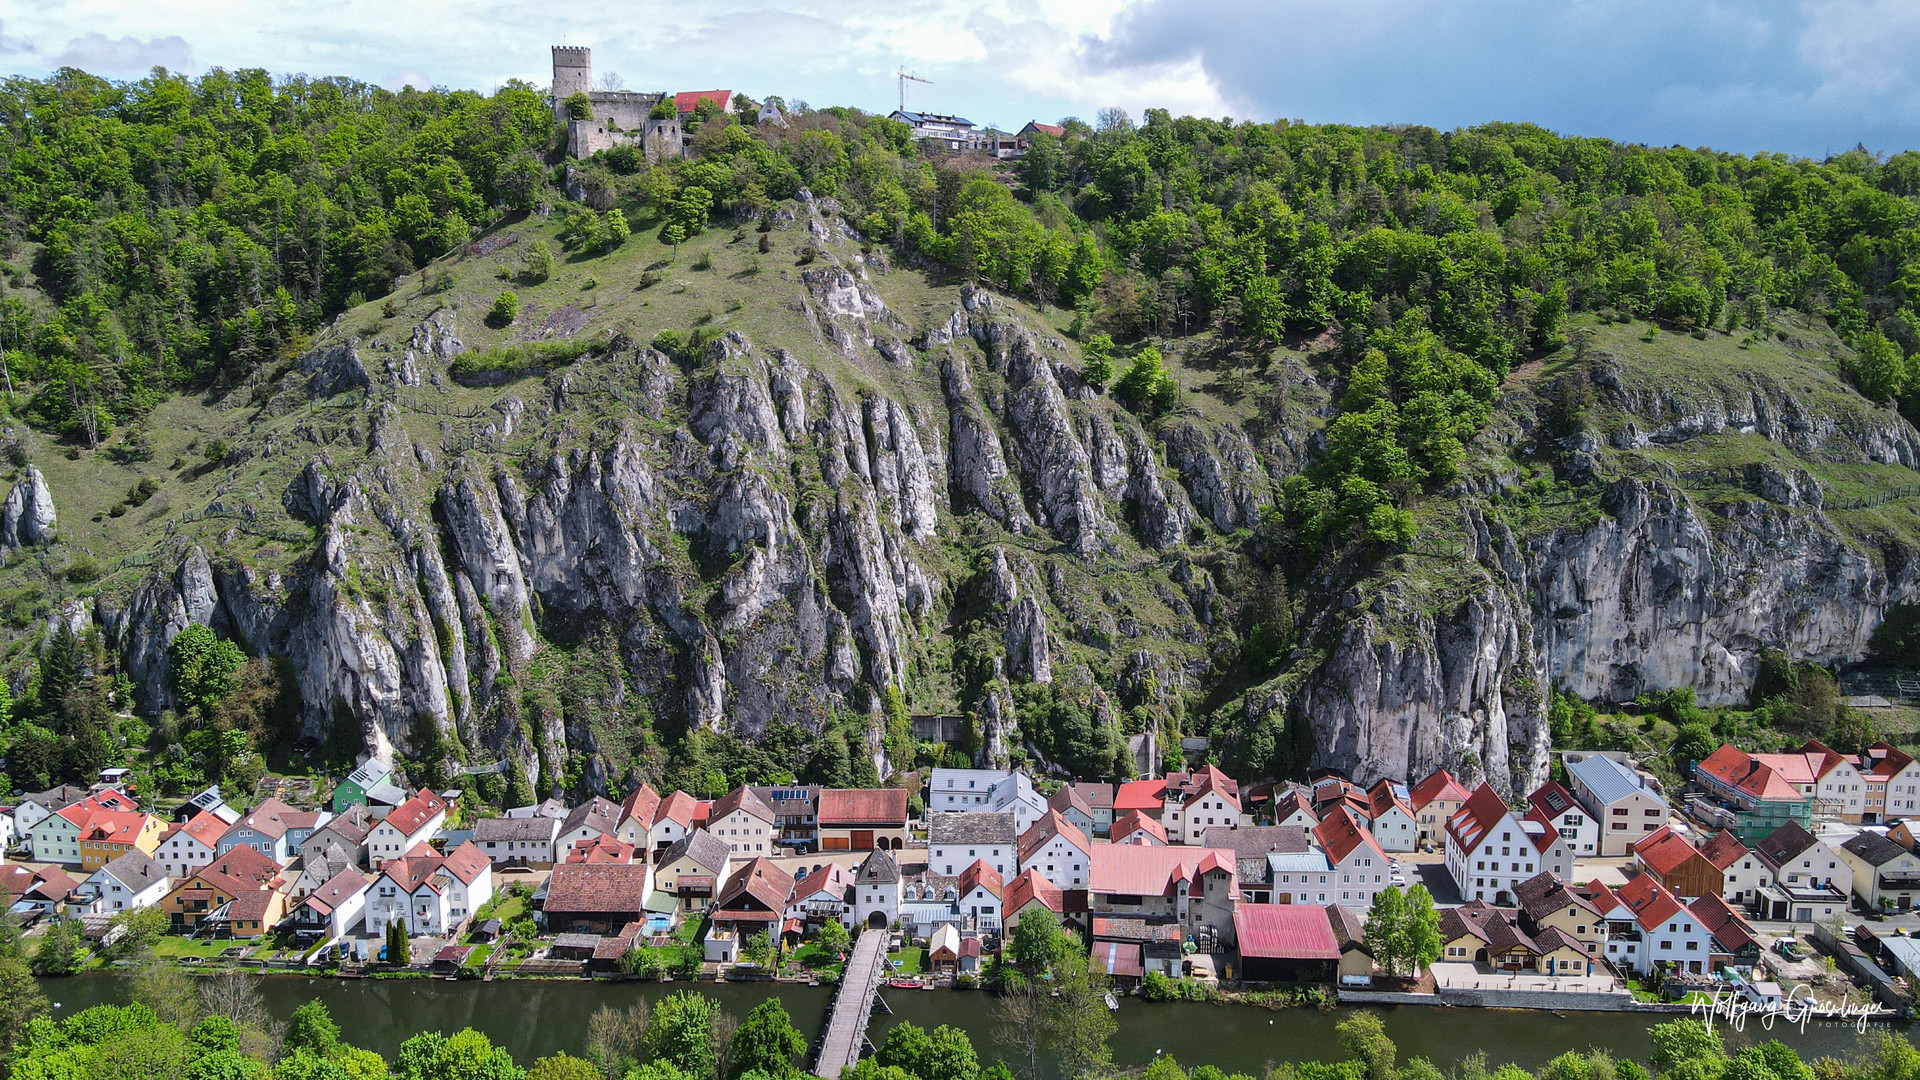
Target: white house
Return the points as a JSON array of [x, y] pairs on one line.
[[745, 822], [520, 841], [1301, 877], [637, 814], [822, 895], [981, 895], [191, 846], [409, 825], [1391, 819], [1807, 881], [335, 908], [134, 880], [1668, 932], [1742, 873], [1556, 806], [1197, 801], [672, 821], [587, 822], [1058, 850], [1490, 851], [876, 891], [430, 893], [56, 837], [264, 829], [39, 805], [962, 789], [1616, 796], [955, 840], [1357, 862]]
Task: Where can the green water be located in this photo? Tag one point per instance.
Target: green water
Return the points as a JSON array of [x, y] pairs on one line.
[[536, 1018]]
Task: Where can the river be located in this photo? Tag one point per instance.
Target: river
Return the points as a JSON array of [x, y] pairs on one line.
[[535, 1018]]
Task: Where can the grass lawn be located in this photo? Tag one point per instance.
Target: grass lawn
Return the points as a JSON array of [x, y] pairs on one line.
[[478, 957], [173, 945], [818, 960], [912, 961]]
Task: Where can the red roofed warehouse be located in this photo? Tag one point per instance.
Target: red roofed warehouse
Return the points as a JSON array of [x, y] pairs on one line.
[[862, 820], [1291, 942]]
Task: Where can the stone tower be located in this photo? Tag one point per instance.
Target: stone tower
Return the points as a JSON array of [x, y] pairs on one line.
[[572, 74]]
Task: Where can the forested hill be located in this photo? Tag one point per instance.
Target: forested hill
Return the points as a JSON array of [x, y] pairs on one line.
[[1342, 444]]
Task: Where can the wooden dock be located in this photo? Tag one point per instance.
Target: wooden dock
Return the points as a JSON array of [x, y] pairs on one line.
[[852, 1007]]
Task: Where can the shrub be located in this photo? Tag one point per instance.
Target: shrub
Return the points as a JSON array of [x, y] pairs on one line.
[[505, 309], [518, 359], [83, 569]]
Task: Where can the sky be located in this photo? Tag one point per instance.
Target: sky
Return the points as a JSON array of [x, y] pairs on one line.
[[1807, 77]]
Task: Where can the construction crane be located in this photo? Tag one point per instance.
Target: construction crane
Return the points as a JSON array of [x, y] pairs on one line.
[[906, 77]]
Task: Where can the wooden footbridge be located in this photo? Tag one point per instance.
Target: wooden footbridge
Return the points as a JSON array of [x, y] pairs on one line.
[[846, 1034]]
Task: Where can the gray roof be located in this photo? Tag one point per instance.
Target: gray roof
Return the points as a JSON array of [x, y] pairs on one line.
[[705, 848], [328, 859], [878, 868], [1297, 862], [57, 798], [136, 870], [1609, 780], [495, 829], [1876, 849], [596, 813], [370, 772], [387, 793], [1257, 841], [972, 827]]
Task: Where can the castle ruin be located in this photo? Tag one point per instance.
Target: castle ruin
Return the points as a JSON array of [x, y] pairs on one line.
[[619, 117]]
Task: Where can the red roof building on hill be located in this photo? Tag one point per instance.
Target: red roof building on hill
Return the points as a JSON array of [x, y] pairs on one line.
[[687, 100]]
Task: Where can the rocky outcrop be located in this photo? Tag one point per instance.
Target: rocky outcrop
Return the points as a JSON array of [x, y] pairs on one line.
[[27, 518]]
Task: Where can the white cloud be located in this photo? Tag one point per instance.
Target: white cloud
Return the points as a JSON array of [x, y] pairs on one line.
[[125, 57]]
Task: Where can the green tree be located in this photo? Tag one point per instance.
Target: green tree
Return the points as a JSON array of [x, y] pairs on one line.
[[1422, 935], [833, 936], [62, 949], [579, 106], [311, 1027], [680, 1034], [201, 665], [766, 1043], [21, 1002], [1692, 743], [1038, 941], [1877, 367], [1098, 370], [505, 309], [1387, 930], [563, 1067], [1365, 1037], [1687, 1050], [758, 950], [538, 266], [467, 1055], [399, 949]]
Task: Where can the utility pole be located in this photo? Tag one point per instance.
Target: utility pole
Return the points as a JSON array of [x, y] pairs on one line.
[[906, 77]]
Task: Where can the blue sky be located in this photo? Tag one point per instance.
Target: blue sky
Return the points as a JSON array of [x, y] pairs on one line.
[[1807, 77]]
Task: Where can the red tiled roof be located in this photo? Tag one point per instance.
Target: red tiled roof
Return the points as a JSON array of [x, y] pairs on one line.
[[1649, 901], [206, 828], [1070, 798], [1749, 775], [1730, 931], [1291, 803], [1209, 779], [267, 819], [840, 807], [1144, 870], [467, 861], [982, 876], [1146, 795], [640, 805], [742, 798], [679, 808], [1477, 816], [760, 881], [1885, 760], [686, 100], [832, 879], [1552, 800], [601, 848], [411, 815], [1285, 932], [1054, 130], [1032, 885], [51, 882], [1135, 821], [336, 891], [1665, 851], [596, 888], [1340, 832], [1439, 784], [107, 826], [1723, 849], [1381, 798]]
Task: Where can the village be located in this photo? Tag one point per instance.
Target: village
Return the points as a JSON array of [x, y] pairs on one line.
[[1774, 871]]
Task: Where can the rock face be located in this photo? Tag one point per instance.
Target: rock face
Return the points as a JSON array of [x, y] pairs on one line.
[[27, 518], [788, 529]]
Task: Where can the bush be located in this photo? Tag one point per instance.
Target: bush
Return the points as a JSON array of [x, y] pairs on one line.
[[83, 569], [519, 359], [505, 309]]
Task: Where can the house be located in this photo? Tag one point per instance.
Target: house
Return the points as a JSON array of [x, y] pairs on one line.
[[1741, 872], [1349, 927], [955, 840], [1734, 939], [319, 864], [1015, 794], [1135, 827], [597, 898], [1490, 851], [1479, 933], [1295, 808], [754, 898], [1069, 803], [430, 893], [826, 894], [1190, 887], [1893, 783], [943, 950], [548, 808], [637, 813], [1058, 849], [1194, 802], [37, 806], [302, 824], [264, 829], [1260, 874], [1030, 891], [673, 820], [1354, 856], [134, 880], [239, 872], [406, 827], [186, 848], [1617, 797], [1676, 863], [686, 101], [1807, 880], [353, 791], [962, 789], [1332, 792], [1146, 797], [980, 894], [1761, 797], [1389, 817], [862, 820], [796, 810], [590, 820], [876, 891], [32, 893], [1286, 942], [952, 132], [605, 848], [527, 842], [1886, 876], [693, 869], [1434, 800], [745, 822], [347, 830], [207, 801], [1668, 932], [1556, 806], [1099, 800], [1547, 902], [105, 835], [1127, 947], [1829, 776]]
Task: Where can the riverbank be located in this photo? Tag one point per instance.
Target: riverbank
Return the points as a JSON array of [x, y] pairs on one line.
[[533, 1018]]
